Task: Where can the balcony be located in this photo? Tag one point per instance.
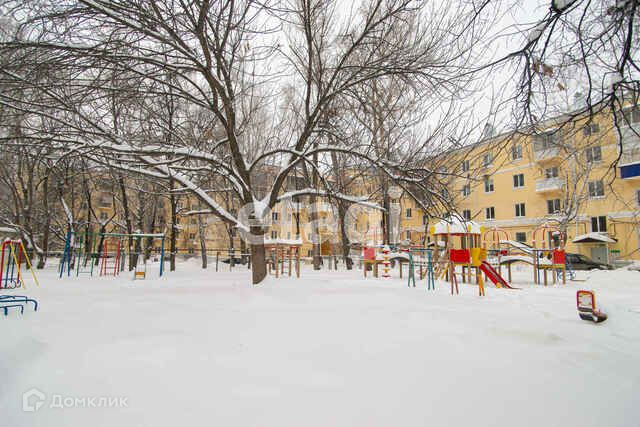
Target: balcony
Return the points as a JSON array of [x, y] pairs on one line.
[[548, 185], [547, 154], [630, 163]]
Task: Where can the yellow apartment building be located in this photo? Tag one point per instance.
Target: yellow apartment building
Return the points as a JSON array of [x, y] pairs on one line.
[[562, 176]]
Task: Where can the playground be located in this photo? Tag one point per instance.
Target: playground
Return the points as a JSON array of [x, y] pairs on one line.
[[330, 348]]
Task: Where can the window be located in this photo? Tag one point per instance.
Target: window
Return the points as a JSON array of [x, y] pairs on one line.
[[288, 235], [599, 224], [596, 188], [553, 206], [103, 216], [445, 193], [191, 250], [490, 213], [593, 154], [466, 190], [425, 219], [408, 213], [516, 152], [551, 172], [104, 201], [407, 235], [590, 129], [466, 214], [521, 236], [465, 166], [161, 220], [274, 216], [638, 197], [629, 116], [192, 236], [274, 234], [520, 210], [544, 141], [487, 159], [518, 180], [488, 185]]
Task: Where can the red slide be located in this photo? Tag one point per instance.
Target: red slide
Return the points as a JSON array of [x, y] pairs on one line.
[[494, 276]]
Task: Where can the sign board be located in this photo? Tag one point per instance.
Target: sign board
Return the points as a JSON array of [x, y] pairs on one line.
[[586, 301]]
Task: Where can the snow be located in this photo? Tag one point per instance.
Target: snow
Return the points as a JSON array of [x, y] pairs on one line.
[[290, 242], [590, 237], [330, 349], [537, 32], [455, 224], [518, 245], [360, 200], [521, 258]]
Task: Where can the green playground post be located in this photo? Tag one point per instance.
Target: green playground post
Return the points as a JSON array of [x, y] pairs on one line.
[[411, 274], [431, 281]]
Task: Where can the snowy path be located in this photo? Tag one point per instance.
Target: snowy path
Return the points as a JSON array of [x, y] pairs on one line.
[[332, 349]]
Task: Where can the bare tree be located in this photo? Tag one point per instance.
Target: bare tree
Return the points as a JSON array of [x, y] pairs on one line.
[[218, 54]]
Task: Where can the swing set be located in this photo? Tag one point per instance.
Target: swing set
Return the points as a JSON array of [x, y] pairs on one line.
[[12, 257], [79, 253], [108, 251]]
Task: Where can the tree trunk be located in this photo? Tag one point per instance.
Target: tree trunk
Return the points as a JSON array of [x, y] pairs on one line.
[[386, 220], [315, 232], [243, 251], [344, 238], [202, 234], [42, 260], [174, 228], [127, 220], [258, 259]]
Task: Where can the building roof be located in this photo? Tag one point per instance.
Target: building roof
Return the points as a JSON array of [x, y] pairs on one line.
[[593, 238]]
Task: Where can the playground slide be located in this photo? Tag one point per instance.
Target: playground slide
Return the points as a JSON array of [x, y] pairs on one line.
[[494, 276]]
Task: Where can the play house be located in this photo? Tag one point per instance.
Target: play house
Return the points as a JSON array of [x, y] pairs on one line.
[[458, 253], [550, 256]]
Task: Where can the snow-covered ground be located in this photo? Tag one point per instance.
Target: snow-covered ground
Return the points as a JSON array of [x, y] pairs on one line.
[[331, 349]]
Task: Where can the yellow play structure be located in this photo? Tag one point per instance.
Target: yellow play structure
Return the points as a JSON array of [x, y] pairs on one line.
[[469, 255]]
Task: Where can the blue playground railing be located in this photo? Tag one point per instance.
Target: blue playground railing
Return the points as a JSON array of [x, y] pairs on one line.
[[16, 301]]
